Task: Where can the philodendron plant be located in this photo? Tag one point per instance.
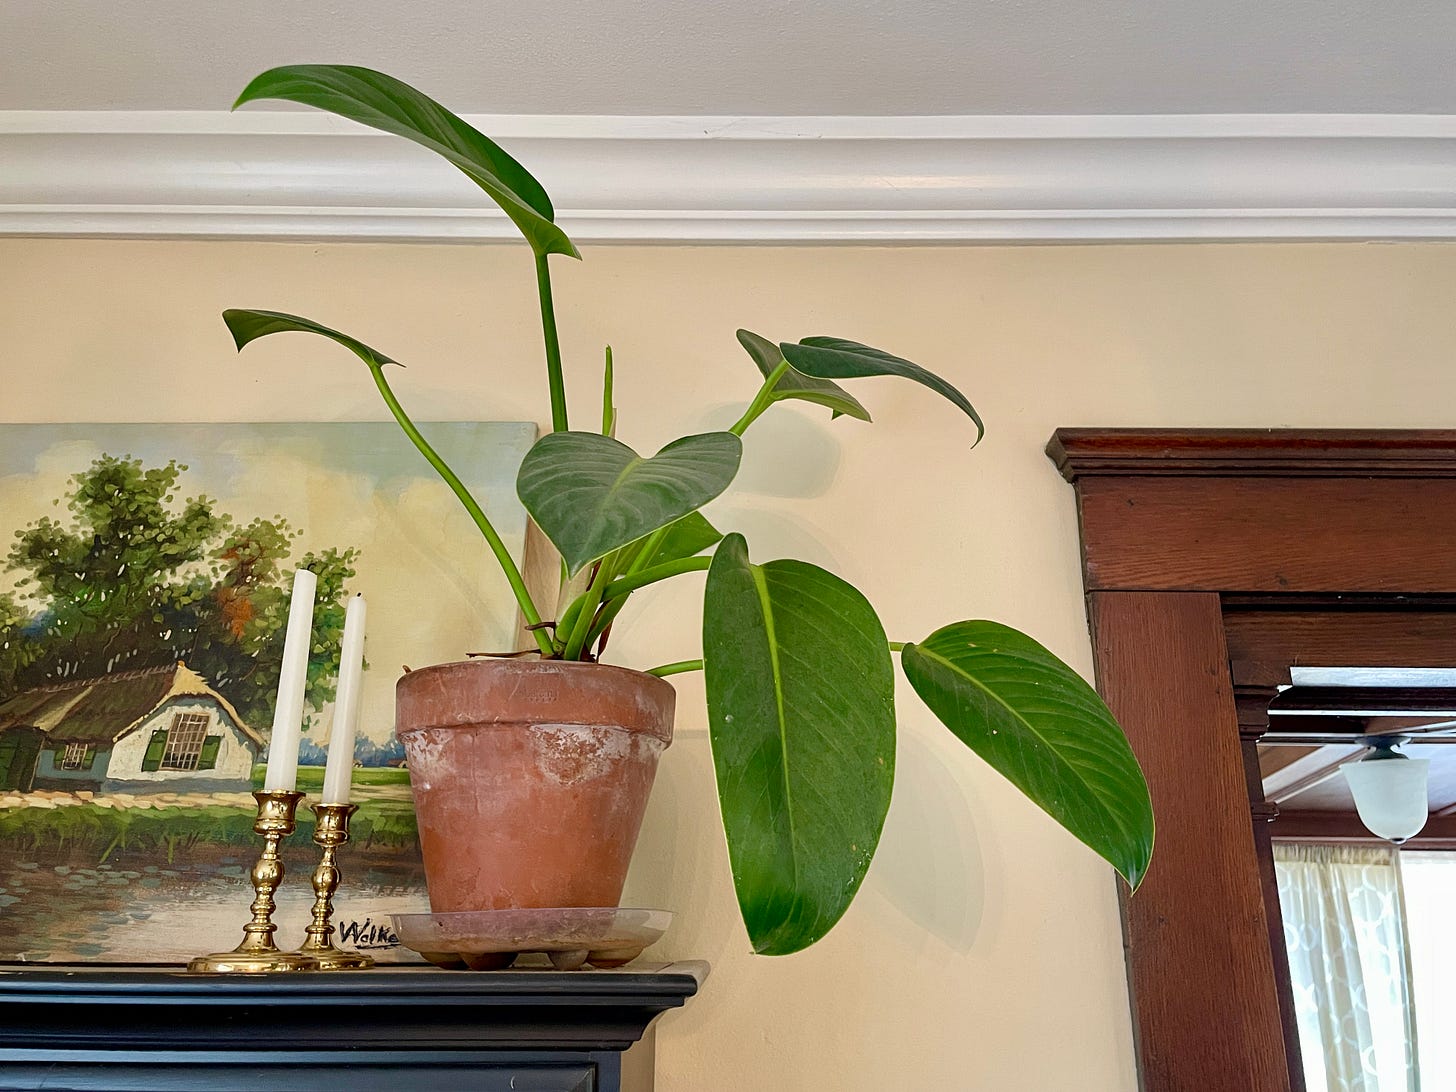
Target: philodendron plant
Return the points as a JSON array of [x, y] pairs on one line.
[[798, 670]]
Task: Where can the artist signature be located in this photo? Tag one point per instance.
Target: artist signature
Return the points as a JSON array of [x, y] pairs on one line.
[[366, 934]]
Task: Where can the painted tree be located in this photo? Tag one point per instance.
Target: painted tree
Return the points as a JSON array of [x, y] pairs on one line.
[[17, 648], [110, 576], [137, 576]]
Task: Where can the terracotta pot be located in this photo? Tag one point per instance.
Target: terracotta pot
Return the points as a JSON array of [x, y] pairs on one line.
[[530, 778]]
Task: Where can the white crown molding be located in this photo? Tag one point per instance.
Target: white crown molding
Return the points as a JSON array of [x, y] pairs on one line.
[[296, 175]]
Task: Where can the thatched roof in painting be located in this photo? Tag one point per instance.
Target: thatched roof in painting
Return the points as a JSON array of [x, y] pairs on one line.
[[105, 708]]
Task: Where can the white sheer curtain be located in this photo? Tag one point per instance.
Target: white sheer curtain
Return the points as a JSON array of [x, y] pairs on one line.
[[1428, 886], [1349, 964]]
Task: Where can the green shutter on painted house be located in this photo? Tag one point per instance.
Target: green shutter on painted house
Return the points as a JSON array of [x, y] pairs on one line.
[[152, 760], [89, 759], [208, 759]]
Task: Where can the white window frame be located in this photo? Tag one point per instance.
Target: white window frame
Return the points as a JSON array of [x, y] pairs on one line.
[[73, 756], [185, 736]]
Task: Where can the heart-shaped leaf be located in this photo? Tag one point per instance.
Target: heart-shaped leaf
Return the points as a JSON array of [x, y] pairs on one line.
[[592, 494], [248, 325], [1042, 727], [801, 715], [392, 106], [795, 384], [836, 358]]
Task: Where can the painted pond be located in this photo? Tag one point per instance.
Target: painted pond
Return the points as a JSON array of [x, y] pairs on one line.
[[165, 880]]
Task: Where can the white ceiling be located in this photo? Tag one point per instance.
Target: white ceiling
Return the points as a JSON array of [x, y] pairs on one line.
[[741, 121], [736, 57]]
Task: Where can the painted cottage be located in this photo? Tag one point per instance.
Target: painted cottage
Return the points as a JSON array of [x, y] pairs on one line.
[[161, 728]]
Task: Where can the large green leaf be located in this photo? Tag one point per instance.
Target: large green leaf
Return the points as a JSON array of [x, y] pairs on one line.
[[688, 536], [802, 720], [385, 103], [836, 358], [248, 325], [1039, 724], [795, 384], [592, 494]]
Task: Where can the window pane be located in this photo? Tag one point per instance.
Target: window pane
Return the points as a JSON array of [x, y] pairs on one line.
[[1430, 899]]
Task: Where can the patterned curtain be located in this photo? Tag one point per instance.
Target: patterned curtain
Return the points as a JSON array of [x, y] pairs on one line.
[[1349, 963]]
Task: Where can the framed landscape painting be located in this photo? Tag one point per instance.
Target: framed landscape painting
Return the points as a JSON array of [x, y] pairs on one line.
[[144, 580]]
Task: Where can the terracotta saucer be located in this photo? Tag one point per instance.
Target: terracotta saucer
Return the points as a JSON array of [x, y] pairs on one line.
[[489, 940]]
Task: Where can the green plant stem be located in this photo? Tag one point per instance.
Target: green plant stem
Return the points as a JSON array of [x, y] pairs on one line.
[[577, 641], [646, 550], [553, 346], [625, 585], [568, 618], [601, 612], [492, 538], [761, 401], [676, 668], [590, 600], [898, 646], [605, 617], [617, 590], [609, 412]]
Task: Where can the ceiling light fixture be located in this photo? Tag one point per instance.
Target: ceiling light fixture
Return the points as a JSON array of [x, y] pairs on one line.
[[1389, 790]]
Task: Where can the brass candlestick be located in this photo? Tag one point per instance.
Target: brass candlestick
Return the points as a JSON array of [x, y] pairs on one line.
[[331, 830], [257, 953]]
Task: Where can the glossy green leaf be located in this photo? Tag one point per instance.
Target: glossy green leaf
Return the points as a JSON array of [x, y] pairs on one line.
[[687, 537], [392, 106], [795, 384], [1039, 724], [249, 325], [802, 720], [835, 358], [592, 494]]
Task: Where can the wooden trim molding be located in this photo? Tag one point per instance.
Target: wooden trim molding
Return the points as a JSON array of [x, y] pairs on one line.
[[1273, 512], [1174, 687], [1214, 559], [1244, 453], [1317, 826]]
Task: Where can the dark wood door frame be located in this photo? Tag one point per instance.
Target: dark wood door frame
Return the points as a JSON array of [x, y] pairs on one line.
[[1212, 559]]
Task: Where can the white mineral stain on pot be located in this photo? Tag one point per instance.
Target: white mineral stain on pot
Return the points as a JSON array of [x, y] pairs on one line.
[[427, 757], [570, 753]]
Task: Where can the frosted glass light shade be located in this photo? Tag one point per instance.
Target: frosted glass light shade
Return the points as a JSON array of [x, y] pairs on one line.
[[1390, 794]]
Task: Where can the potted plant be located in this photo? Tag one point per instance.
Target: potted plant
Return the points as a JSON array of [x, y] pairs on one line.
[[798, 670]]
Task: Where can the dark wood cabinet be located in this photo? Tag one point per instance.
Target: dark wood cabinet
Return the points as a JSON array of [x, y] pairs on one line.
[[393, 1028]]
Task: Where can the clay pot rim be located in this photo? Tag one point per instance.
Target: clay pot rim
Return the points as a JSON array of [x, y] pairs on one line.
[[539, 661], [658, 690]]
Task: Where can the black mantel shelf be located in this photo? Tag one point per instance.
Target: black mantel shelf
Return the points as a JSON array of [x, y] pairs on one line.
[[394, 1028]]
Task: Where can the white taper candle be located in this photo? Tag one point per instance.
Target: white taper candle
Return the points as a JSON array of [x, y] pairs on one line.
[[288, 711], [339, 772]]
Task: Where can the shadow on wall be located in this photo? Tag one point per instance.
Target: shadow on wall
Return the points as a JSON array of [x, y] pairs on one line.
[[929, 866], [927, 880], [785, 454], [672, 832]]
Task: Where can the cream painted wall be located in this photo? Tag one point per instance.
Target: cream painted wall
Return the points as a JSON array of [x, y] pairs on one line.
[[984, 952]]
